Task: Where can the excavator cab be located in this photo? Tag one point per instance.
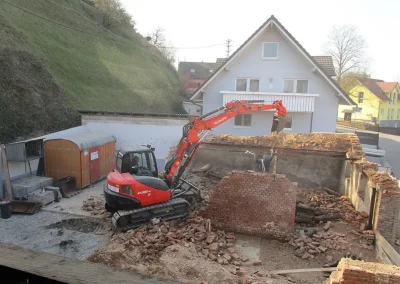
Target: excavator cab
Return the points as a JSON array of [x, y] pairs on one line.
[[140, 162]]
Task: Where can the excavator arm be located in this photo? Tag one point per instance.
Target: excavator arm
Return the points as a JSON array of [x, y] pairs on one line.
[[190, 140]]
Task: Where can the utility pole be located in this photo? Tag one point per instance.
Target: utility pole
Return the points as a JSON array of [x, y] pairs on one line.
[[228, 47]]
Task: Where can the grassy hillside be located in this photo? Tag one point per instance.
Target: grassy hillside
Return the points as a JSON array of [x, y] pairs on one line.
[[47, 71]]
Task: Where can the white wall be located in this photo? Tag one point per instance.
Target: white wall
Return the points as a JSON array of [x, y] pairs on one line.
[[291, 64], [131, 132]]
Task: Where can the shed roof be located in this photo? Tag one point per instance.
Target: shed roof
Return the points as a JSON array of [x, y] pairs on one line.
[[89, 140]]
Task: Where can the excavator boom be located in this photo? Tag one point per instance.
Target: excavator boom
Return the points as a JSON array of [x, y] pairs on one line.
[[190, 140]]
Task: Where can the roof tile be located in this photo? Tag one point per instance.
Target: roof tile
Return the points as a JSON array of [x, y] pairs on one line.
[[326, 63], [372, 85], [387, 87]]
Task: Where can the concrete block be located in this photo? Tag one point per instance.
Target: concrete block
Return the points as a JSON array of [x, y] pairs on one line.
[[44, 197], [22, 187], [56, 191]]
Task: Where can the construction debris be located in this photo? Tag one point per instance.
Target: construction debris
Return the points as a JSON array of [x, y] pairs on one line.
[[314, 141], [314, 206], [94, 205], [153, 239]]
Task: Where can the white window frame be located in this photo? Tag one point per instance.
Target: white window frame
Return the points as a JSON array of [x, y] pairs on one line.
[[243, 126], [295, 85], [291, 128], [360, 97], [270, 58], [248, 84]]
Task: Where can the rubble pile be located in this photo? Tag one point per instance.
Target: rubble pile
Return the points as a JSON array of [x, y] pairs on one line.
[[315, 206], [317, 241], [94, 205], [313, 141], [337, 142], [152, 239]]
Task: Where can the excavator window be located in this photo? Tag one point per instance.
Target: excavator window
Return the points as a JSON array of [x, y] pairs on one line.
[[138, 163]]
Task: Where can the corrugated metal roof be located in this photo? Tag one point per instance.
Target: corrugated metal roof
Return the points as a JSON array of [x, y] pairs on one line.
[[89, 140], [26, 150]]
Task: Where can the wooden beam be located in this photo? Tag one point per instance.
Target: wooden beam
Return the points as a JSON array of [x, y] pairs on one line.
[[391, 253], [68, 270], [6, 172], [291, 271]]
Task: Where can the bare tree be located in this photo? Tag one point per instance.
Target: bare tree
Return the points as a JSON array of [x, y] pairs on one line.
[[157, 38], [347, 47]]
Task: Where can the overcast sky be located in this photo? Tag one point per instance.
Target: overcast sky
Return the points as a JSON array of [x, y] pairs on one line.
[[210, 22]]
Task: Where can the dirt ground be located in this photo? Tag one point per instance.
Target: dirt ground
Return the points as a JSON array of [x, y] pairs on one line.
[[180, 250]]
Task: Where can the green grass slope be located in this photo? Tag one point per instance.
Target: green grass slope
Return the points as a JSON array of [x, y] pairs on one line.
[[47, 71]]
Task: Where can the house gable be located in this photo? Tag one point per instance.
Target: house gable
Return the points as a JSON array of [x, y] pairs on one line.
[[273, 24]]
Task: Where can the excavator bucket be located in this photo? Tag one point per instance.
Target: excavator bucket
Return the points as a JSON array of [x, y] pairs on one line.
[[278, 124]]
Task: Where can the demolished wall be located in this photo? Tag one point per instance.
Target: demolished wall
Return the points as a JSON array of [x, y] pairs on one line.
[[357, 272], [255, 204], [307, 170], [357, 179]]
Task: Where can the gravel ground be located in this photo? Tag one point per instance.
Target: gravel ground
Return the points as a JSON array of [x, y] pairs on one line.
[[57, 233]]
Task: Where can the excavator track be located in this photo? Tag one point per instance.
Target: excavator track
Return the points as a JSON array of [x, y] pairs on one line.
[[124, 220]]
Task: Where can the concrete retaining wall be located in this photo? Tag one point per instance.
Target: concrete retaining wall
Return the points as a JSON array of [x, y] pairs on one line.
[[307, 170], [131, 132]]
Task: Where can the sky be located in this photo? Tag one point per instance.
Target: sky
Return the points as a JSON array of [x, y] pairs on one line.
[[193, 24]]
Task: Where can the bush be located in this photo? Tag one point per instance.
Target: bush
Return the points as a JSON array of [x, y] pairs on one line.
[[114, 14]]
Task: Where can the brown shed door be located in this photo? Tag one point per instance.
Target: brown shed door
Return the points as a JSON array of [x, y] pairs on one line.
[[94, 157]]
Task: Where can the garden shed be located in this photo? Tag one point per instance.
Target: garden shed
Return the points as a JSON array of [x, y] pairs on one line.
[[88, 157]]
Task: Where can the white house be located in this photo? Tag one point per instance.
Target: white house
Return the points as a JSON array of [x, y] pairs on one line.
[[272, 65]]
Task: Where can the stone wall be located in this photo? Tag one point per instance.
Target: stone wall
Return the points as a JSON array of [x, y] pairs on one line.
[[357, 272], [255, 204]]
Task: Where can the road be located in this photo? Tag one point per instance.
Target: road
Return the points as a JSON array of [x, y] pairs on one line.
[[387, 142]]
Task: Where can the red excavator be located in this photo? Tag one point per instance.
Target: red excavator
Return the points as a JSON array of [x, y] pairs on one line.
[[136, 194]]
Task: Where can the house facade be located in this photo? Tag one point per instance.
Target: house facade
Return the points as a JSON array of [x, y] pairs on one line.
[[271, 65], [193, 74], [377, 101]]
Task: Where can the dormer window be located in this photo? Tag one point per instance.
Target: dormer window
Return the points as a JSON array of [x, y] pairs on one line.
[[270, 50]]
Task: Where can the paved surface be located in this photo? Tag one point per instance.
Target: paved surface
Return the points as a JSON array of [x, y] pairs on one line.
[[73, 205], [55, 233], [391, 145], [61, 228]]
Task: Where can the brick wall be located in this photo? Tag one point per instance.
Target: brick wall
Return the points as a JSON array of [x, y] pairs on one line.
[[358, 272], [254, 203], [387, 220]]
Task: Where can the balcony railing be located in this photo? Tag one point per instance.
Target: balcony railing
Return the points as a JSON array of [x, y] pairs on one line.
[[292, 101]]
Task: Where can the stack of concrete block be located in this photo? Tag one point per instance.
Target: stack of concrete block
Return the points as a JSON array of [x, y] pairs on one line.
[[22, 187], [45, 195], [42, 196]]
